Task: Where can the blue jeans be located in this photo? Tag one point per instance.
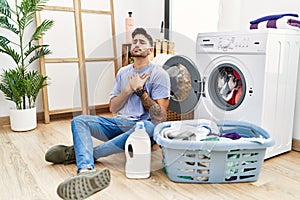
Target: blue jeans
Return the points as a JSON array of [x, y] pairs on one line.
[[112, 131]]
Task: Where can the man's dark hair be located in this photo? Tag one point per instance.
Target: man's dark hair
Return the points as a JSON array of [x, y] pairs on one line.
[[144, 33]]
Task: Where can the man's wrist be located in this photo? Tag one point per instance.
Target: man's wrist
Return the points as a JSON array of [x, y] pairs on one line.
[[140, 92]]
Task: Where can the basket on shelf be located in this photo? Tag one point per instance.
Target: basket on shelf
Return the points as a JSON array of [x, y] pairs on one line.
[[173, 116], [222, 161]]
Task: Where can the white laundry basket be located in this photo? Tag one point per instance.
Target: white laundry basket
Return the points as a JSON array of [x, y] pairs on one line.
[[215, 161]]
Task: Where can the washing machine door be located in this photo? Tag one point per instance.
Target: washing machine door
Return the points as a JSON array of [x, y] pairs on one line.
[[185, 83], [226, 86]]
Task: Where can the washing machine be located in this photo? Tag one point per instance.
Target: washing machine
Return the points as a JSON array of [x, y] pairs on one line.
[[247, 76]]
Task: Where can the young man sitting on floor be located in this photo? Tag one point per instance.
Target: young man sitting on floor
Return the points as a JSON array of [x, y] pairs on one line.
[[140, 93]]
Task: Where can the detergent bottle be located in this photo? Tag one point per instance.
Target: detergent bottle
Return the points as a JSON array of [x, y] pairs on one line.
[[138, 153]]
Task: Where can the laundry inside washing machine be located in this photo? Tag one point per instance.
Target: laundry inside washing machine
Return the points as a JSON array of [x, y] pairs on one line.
[[227, 86]]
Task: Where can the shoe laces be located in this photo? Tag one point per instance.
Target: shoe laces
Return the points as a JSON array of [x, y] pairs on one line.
[[70, 154]]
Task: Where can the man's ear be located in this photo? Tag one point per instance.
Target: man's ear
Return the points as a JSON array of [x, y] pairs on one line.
[[150, 50]]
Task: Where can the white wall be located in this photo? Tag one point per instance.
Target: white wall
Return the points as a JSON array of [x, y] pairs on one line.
[[188, 18], [148, 14]]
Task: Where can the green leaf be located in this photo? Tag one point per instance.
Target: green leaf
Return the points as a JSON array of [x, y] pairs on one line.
[[12, 53], [39, 53], [4, 8], [33, 48], [32, 6], [4, 41], [4, 23], [34, 82], [27, 11], [41, 29], [12, 85]]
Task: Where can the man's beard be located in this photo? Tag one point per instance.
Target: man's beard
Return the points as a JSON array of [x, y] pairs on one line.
[[139, 54]]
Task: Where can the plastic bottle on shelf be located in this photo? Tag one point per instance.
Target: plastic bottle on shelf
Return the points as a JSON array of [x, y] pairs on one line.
[[138, 153], [129, 23]]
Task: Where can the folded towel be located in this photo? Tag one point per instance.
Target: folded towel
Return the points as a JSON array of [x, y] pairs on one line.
[[286, 22], [270, 17], [294, 22]]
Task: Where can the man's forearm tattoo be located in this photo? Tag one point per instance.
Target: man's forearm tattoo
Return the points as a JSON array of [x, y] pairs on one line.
[[156, 112]]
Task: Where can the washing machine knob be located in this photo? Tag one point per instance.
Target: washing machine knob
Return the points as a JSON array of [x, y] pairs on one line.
[[225, 43]]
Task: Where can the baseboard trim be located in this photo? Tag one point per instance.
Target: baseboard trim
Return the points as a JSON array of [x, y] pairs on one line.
[[296, 145], [4, 121], [68, 115]]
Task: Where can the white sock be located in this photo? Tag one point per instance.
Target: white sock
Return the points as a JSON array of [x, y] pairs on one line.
[[86, 170]]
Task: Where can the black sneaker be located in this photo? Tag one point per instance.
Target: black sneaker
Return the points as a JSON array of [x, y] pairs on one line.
[[84, 184], [61, 154]]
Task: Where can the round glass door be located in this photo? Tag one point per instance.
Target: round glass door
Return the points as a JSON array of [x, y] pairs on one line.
[[181, 83], [227, 86], [185, 84]]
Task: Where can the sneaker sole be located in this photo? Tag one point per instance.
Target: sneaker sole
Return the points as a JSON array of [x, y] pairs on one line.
[[83, 186]]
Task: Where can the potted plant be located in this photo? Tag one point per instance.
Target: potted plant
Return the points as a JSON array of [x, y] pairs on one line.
[[21, 84]]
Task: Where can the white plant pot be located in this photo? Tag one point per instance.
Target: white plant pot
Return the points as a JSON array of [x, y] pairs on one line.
[[23, 120]]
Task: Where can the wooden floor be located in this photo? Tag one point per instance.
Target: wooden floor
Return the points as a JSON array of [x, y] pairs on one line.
[[26, 175]]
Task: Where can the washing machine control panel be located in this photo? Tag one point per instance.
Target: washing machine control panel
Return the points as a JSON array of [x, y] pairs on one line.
[[231, 43], [226, 43]]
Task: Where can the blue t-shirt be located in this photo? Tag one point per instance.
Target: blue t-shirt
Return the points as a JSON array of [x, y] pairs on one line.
[[157, 87]]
